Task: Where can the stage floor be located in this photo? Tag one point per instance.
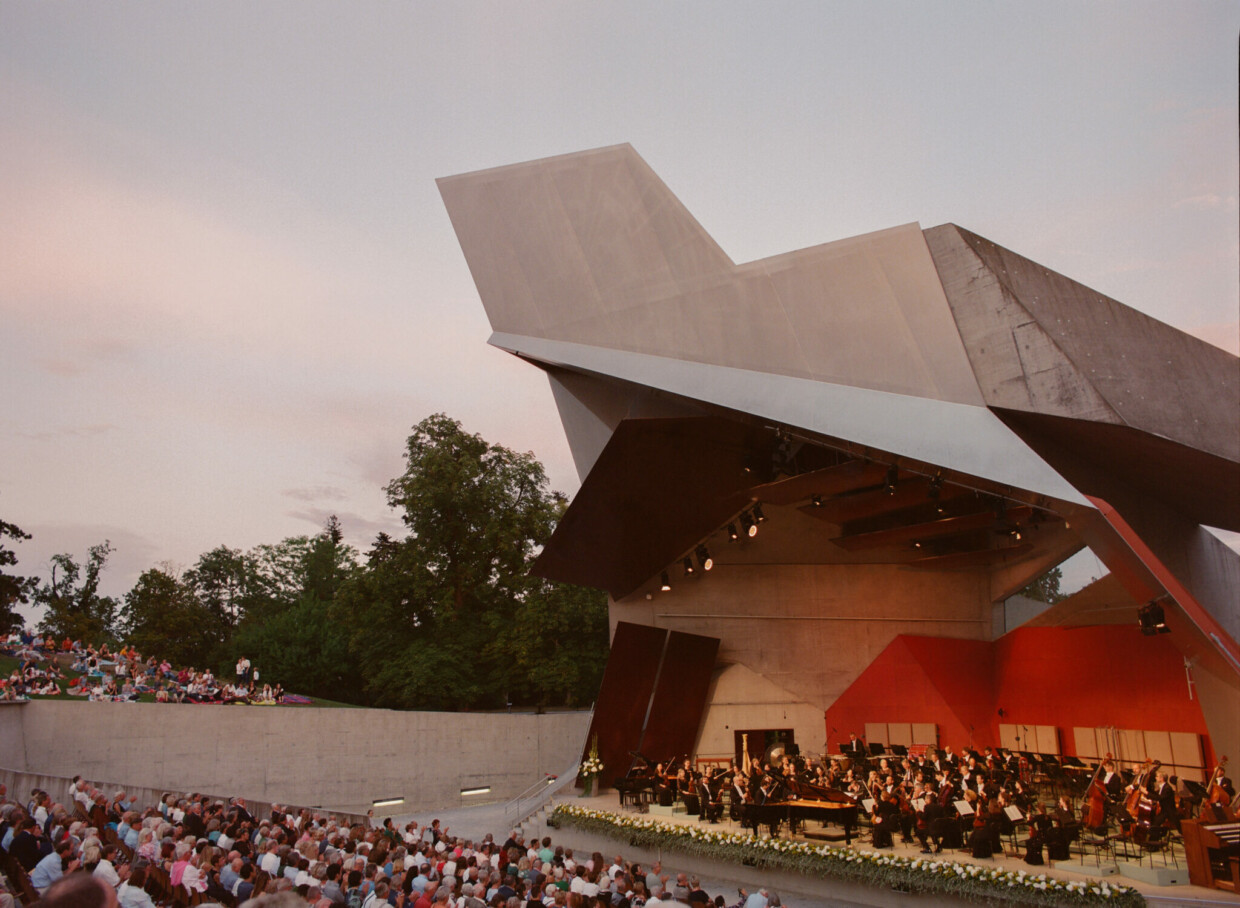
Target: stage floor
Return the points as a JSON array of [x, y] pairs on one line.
[[1076, 869]]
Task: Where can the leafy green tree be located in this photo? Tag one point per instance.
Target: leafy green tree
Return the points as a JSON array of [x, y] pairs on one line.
[[554, 651], [13, 588], [1046, 588], [162, 616], [446, 618], [74, 607], [291, 629], [226, 582]]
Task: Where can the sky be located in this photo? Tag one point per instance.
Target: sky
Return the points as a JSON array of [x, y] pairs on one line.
[[229, 288]]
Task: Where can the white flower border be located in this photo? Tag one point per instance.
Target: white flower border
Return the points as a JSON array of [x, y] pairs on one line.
[[965, 880]]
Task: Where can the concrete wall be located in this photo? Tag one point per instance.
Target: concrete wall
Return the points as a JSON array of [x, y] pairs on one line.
[[739, 698], [812, 629], [339, 759], [804, 633]]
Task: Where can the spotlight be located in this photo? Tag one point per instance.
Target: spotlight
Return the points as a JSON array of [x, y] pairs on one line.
[[689, 568], [664, 585], [747, 525], [757, 513], [704, 559], [893, 475], [916, 544], [732, 534], [1014, 532], [1152, 620], [936, 490], [816, 500]]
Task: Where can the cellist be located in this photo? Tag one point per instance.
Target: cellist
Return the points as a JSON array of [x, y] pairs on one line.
[[1168, 813]]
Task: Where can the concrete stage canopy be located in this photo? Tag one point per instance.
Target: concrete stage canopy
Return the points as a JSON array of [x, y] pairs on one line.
[[918, 422]]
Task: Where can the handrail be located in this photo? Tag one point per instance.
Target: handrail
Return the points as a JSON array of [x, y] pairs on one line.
[[540, 792], [541, 787]]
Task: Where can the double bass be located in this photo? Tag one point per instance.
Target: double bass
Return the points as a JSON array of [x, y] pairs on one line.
[[1095, 811], [1216, 795], [1139, 805]]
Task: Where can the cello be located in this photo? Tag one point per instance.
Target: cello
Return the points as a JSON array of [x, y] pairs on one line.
[[1096, 798]]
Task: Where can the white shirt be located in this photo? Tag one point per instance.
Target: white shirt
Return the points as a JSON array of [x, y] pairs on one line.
[[269, 862], [106, 872]]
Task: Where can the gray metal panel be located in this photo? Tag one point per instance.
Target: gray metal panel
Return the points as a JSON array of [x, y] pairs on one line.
[[1082, 354], [970, 439], [594, 249]]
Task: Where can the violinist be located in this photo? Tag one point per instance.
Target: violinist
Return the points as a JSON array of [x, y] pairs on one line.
[[664, 786], [908, 817], [886, 819], [1066, 829], [1020, 797]]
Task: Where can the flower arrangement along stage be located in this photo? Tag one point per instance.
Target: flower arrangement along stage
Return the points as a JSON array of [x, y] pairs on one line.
[[939, 877]]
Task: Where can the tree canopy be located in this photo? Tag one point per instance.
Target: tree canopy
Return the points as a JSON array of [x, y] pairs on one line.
[[14, 589], [451, 616], [448, 617], [74, 607]]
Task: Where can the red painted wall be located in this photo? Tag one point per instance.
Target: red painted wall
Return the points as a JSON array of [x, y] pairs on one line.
[[1068, 677]]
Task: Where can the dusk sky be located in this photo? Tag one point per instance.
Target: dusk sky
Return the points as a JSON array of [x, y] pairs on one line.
[[229, 287]]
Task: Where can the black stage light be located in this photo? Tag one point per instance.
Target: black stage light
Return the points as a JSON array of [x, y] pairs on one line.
[[747, 525], [893, 476], [757, 513], [664, 585], [689, 568], [732, 534], [704, 559], [1152, 620], [816, 500]]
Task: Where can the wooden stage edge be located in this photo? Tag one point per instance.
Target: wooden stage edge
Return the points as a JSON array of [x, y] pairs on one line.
[[799, 891]]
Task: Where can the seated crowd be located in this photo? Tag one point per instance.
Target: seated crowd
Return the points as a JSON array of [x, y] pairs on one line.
[[121, 676], [104, 852]]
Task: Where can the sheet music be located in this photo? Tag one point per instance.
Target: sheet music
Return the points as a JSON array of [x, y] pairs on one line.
[[964, 808], [1013, 813], [868, 804], [919, 804]]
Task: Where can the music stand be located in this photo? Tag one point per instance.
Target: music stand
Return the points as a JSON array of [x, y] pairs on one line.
[[899, 750]]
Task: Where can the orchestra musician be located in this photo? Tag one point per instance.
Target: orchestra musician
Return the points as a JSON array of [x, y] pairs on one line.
[[1163, 793], [1110, 779]]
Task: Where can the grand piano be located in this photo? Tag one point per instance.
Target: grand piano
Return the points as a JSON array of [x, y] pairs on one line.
[[1213, 852], [804, 801], [637, 786]]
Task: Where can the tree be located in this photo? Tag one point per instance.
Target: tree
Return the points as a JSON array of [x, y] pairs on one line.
[[556, 646], [291, 628], [226, 582], [1046, 588], [13, 589], [74, 607], [438, 616], [162, 616]]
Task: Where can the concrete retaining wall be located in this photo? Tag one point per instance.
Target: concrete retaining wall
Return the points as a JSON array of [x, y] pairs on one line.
[[341, 759]]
